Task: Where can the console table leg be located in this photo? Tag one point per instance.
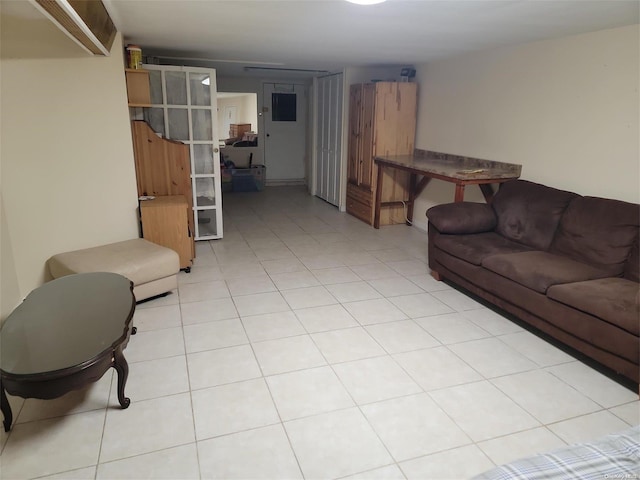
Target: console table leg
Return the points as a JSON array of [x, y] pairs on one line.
[[487, 191], [6, 409], [122, 367], [378, 198]]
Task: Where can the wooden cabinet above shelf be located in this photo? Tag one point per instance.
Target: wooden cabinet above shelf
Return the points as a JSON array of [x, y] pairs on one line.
[[138, 91]]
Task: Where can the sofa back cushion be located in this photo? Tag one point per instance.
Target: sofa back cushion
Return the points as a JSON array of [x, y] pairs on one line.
[[632, 267], [462, 218], [598, 231], [529, 213]]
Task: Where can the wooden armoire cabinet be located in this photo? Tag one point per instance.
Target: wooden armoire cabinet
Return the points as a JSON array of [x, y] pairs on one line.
[[382, 121]]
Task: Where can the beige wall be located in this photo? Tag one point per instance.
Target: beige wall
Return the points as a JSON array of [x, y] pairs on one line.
[[26, 33], [566, 109], [9, 292], [68, 177]]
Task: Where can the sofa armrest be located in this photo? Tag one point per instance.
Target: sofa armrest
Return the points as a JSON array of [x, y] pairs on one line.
[[463, 218]]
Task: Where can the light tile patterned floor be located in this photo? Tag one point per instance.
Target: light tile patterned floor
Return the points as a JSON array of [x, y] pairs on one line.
[[306, 344]]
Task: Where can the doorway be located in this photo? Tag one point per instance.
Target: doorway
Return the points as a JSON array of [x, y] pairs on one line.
[[284, 108], [236, 108], [230, 114], [238, 133]]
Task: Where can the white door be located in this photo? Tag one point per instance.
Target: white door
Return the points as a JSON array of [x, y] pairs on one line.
[[328, 149], [184, 108], [284, 116]]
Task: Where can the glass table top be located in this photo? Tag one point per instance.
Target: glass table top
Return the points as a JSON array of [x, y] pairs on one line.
[[66, 322]]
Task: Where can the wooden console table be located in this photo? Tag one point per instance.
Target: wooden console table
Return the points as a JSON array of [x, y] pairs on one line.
[[461, 171]]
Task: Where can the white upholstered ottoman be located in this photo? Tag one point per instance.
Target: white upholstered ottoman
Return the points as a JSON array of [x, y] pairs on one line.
[[152, 268]]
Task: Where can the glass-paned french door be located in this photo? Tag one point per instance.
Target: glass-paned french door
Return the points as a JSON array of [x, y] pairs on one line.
[[184, 108]]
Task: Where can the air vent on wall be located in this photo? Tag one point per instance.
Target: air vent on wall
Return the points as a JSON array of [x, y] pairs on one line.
[[86, 22]]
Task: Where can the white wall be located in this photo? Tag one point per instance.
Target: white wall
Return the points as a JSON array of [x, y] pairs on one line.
[[385, 73], [566, 109], [247, 111], [68, 175]]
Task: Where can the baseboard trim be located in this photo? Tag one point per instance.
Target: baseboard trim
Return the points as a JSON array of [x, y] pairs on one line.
[[285, 183]]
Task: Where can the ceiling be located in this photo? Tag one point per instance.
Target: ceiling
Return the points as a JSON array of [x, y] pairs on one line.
[[333, 34], [329, 35]]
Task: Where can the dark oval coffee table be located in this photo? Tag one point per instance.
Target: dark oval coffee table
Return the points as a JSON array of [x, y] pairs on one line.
[[64, 335]]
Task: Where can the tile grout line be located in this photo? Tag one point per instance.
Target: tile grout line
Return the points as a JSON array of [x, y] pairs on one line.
[[104, 427], [275, 406], [193, 413], [395, 462], [352, 237]]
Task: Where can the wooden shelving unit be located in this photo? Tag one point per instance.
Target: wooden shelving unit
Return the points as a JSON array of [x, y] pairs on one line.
[[138, 91], [165, 221]]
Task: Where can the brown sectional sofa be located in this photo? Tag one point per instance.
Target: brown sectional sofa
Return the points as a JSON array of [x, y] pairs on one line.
[[566, 264]]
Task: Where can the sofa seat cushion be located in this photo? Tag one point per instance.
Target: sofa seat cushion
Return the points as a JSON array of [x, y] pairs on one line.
[[138, 259], [540, 270], [615, 300], [475, 248]]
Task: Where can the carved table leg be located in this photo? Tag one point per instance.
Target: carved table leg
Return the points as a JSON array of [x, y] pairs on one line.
[[6, 409], [121, 366]]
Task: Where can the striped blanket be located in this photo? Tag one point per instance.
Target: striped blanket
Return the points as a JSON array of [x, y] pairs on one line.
[[615, 456]]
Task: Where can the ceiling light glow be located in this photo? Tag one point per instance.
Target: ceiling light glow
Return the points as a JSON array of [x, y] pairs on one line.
[[366, 2]]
